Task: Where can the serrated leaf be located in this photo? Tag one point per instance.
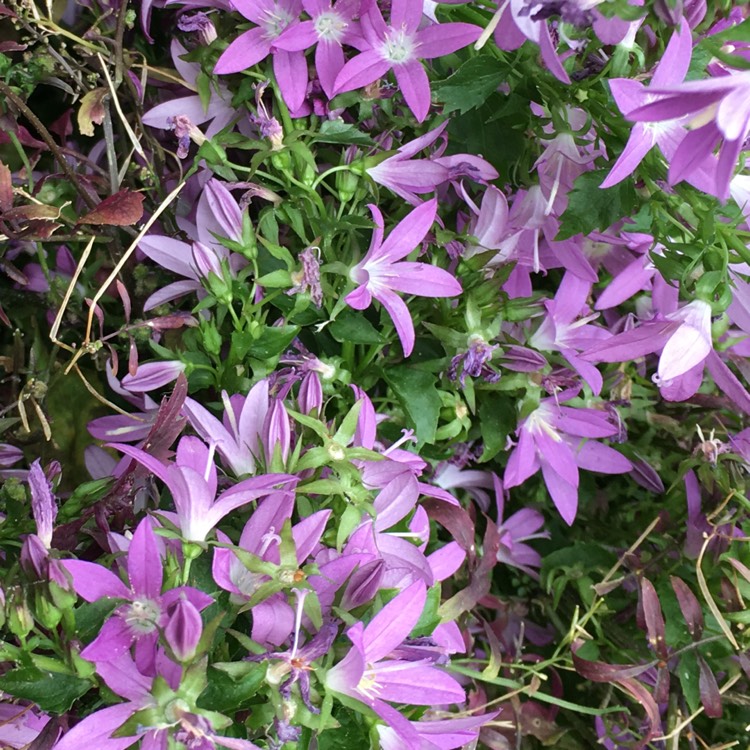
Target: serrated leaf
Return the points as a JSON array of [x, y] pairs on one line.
[[416, 391], [497, 418], [471, 85], [229, 693], [51, 691], [272, 342], [590, 208], [91, 112], [354, 327], [335, 131]]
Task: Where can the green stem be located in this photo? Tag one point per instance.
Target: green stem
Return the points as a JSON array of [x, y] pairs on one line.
[[339, 168]]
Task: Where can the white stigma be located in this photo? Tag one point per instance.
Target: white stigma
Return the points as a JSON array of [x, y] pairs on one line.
[[330, 27], [275, 21], [142, 616], [398, 47]]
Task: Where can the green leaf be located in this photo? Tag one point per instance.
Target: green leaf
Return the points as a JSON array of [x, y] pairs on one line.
[[687, 670], [51, 691], [336, 131], [354, 327], [471, 85], [272, 341], [348, 521], [279, 279], [229, 693], [430, 617], [419, 397], [591, 208], [497, 417], [351, 732]]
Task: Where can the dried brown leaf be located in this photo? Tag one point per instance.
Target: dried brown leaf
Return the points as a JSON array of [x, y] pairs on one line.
[[119, 210]]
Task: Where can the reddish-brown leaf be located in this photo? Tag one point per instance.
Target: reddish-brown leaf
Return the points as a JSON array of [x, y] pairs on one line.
[[91, 111], [6, 188], [31, 212], [709, 690], [689, 606], [652, 613], [456, 520], [119, 210], [599, 671]]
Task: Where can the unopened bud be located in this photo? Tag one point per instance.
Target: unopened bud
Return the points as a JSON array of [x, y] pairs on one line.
[[184, 629]]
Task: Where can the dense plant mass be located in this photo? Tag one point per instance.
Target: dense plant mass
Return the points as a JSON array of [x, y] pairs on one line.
[[374, 374]]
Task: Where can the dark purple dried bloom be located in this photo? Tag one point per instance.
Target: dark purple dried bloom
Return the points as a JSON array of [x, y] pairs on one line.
[[568, 11], [308, 279], [199, 23], [474, 362], [185, 131]]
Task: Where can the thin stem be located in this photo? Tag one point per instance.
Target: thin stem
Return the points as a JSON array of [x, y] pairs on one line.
[[21, 105], [320, 178]]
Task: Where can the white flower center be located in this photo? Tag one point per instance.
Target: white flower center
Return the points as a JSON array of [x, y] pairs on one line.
[[537, 422], [275, 21], [330, 27], [399, 46], [368, 684], [143, 615]]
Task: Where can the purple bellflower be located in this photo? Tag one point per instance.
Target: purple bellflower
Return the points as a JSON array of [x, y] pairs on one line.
[[192, 480], [401, 46], [368, 675], [217, 214], [721, 112], [272, 17], [550, 439], [20, 725], [382, 273], [219, 112], [238, 437], [123, 677], [630, 94], [513, 25], [515, 531], [684, 338], [438, 734], [408, 177], [145, 610], [331, 25]]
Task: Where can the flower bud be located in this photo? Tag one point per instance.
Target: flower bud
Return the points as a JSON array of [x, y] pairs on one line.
[[184, 629], [20, 620], [45, 612]]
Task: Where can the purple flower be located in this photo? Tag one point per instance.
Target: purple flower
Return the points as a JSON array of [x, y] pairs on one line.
[[199, 23], [20, 725], [474, 362], [368, 675], [514, 531], [550, 439], [295, 665], [721, 112], [238, 438], [272, 17], [684, 338], [408, 177], [438, 734], [400, 46], [330, 26], [43, 505], [192, 482], [146, 608], [190, 109], [630, 94], [380, 274]]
